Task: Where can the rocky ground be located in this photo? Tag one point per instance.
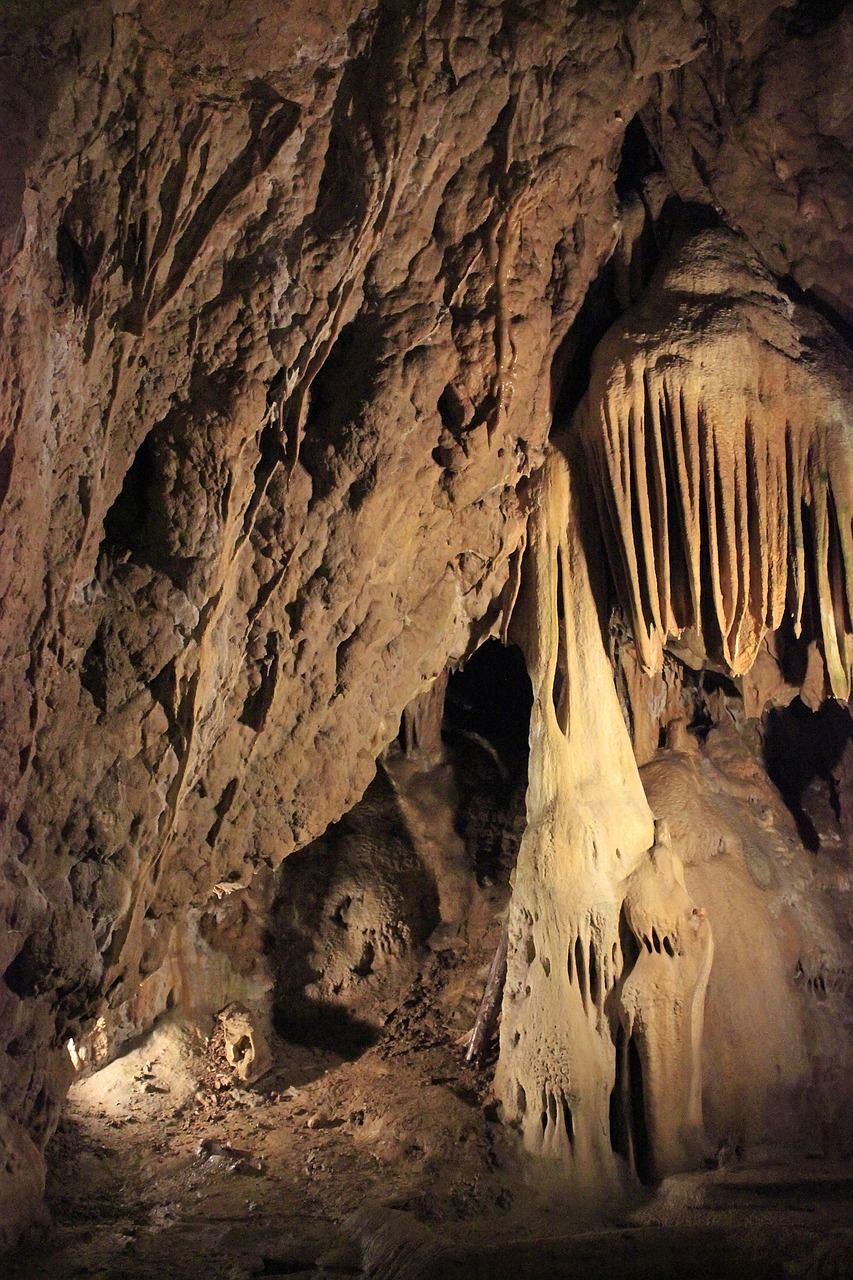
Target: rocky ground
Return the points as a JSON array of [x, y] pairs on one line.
[[389, 1164], [371, 1148]]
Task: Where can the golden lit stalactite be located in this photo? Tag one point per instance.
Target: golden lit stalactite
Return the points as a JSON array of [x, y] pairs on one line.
[[718, 432], [589, 845]]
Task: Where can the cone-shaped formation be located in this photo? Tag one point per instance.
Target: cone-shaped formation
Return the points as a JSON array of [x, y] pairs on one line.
[[719, 430]]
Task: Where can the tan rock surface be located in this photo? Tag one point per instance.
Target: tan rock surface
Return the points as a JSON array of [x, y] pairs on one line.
[[280, 301], [718, 429], [285, 299]]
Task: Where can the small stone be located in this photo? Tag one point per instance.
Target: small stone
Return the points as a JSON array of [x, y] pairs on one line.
[[320, 1121]]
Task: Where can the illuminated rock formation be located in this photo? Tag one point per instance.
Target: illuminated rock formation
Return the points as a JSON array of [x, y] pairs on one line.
[[289, 296], [662, 1007], [584, 870], [718, 428]]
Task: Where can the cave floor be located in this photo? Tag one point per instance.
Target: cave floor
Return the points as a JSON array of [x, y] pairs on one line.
[[388, 1164]]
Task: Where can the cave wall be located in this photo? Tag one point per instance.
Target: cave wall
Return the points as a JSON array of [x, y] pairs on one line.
[[285, 295]]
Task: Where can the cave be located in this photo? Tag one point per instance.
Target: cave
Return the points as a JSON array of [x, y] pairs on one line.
[[426, 618]]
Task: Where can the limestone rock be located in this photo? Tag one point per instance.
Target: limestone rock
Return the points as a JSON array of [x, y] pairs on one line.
[[759, 125], [247, 1048], [22, 1174], [286, 298]]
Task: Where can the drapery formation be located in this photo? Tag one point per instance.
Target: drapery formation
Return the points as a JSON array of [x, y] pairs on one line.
[[721, 449]]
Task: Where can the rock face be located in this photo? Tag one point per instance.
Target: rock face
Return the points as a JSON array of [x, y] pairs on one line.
[[286, 300], [759, 125]]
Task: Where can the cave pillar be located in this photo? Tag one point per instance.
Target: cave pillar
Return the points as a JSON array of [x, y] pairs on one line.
[[588, 847], [588, 826], [661, 1002]]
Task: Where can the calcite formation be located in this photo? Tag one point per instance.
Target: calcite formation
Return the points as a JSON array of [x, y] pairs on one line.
[[289, 298], [602, 935], [718, 428], [246, 1044]]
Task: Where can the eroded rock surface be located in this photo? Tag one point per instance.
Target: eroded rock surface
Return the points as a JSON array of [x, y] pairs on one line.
[[285, 309], [760, 126], [280, 304]]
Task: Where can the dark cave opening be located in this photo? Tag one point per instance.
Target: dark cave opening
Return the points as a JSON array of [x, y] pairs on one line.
[[491, 697], [638, 159], [125, 524], [629, 1136], [486, 729], [365, 905], [640, 1141], [809, 757], [73, 266], [353, 901]]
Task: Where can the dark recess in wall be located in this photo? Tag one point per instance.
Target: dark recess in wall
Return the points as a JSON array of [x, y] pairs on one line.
[[491, 696], [486, 731], [803, 749]]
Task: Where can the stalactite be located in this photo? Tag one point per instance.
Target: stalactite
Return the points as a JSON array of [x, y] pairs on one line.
[[718, 431]]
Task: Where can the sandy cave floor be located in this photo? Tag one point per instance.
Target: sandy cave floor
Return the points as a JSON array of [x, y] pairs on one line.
[[388, 1164]]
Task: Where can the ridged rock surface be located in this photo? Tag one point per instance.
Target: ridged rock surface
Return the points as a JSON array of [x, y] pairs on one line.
[[719, 431], [282, 290]]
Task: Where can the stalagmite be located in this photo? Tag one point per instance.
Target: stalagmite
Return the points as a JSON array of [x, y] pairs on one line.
[[662, 1000], [722, 451], [584, 851]]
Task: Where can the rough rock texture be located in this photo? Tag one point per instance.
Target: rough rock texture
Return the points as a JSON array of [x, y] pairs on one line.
[[280, 305], [284, 308], [761, 127]]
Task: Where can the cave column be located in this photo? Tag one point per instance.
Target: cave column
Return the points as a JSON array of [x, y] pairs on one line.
[[588, 826]]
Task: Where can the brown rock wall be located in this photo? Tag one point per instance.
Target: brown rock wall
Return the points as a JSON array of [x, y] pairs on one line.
[[282, 287], [280, 305], [760, 125]]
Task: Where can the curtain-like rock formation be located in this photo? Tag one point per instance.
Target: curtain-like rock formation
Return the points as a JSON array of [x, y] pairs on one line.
[[719, 430]]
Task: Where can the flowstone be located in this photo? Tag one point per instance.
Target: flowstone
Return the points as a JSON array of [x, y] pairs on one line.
[[662, 1002], [588, 863]]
